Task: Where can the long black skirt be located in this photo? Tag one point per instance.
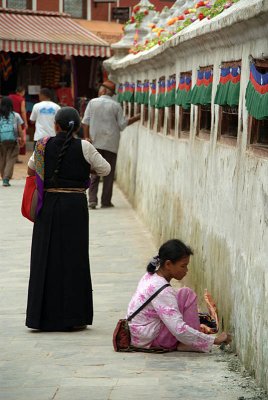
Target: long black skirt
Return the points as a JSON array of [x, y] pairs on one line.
[[60, 290]]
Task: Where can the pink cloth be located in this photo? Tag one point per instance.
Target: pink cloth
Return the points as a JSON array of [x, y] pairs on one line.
[[23, 149], [169, 318], [187, 303]]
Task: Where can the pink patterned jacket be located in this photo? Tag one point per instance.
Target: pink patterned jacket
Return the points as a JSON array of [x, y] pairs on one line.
[[162, 310]]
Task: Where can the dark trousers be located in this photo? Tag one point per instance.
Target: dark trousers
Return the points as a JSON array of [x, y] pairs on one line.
[[108, 181], [9, 152]]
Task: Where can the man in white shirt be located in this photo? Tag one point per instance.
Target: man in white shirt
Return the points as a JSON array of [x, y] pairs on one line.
[[43, 114], [102, 123]]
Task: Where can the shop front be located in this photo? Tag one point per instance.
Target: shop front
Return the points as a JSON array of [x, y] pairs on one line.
[[40, 49]]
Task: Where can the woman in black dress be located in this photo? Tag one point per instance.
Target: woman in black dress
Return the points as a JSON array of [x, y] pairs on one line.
[[60, 291]]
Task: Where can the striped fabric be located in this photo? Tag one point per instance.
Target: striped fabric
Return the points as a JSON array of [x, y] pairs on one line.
[[49, 35], [257, 94]]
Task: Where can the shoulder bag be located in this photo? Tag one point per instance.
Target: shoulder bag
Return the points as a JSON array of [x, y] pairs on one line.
[[121, 336], [29, 199]]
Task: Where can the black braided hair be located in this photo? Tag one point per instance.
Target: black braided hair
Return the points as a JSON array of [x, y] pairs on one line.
[[6, 107], [69, 121], [173, 250]]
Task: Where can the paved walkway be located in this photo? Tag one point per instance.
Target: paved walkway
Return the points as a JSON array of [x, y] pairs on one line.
[[83, 365]]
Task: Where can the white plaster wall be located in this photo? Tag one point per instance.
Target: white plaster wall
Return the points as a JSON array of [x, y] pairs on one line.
[[215, 197]]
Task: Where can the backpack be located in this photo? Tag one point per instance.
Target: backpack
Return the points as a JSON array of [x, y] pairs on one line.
[[7, 129]]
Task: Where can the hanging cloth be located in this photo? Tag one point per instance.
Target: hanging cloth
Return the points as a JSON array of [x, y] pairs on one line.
[[5, 65], [120, 93], [152, 99], [146, 88], [126, 92], [65, 97], [160, 101], [201, 93], [183, 95], [228, 89], [131, 93], [257, 94], [139, 93], [170, 99], [50, 73]]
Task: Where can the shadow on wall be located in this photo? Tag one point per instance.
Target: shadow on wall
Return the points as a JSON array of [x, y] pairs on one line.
[[211, 269], [165, 227], [126, 167]]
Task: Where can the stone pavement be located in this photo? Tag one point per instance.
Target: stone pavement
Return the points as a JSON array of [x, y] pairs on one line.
[[83, 365]]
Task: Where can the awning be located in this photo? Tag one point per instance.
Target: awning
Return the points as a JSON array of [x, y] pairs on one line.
[[48, 33]]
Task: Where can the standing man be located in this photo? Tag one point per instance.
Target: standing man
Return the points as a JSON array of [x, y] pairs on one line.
[[19, 107], [43, 114], [102, 123]]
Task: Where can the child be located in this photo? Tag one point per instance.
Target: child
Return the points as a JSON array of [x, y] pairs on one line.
[[171, 319]]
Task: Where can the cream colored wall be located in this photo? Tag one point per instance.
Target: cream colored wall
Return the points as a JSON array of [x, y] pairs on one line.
[[212, 195]]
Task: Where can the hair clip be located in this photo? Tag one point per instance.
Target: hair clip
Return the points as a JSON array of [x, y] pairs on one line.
[[155, 261]]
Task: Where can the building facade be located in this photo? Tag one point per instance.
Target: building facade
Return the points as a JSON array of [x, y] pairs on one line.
[[196, 166], [85, 9]]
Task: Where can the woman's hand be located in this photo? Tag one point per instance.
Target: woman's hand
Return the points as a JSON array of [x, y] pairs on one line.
[[21, 141], [223, 338]]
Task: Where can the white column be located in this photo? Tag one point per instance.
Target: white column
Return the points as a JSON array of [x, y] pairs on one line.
[[109, 12], [89, 3], [34, 5], [117, 5], [4, 3], [60, 6]]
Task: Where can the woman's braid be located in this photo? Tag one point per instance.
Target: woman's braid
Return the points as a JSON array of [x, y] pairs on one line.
[[63, 151]]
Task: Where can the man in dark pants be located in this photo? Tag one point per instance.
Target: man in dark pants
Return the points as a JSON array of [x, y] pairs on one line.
[[102, 123]]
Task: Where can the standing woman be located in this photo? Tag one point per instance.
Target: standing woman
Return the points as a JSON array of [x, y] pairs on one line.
[[11, 138], [60, 291]]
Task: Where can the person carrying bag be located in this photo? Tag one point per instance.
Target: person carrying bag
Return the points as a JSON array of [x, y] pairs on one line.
[[10, 134], [171, 321], [121, 336]]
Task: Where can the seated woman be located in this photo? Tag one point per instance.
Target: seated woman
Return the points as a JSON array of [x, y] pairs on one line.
[[170, 320]]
